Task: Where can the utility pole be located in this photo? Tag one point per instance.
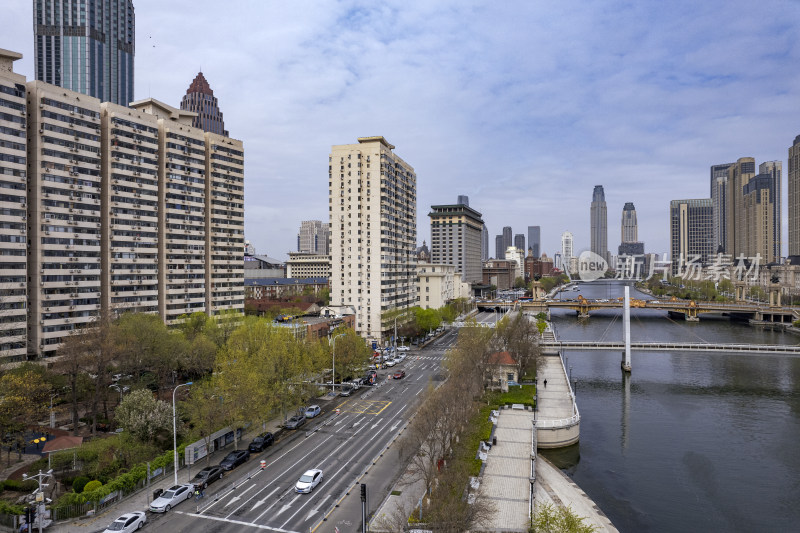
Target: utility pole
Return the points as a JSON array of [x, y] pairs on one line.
[[38, 495]]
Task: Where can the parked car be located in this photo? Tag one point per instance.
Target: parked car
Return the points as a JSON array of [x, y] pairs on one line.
[[295, 422], [400, 357], [308, 481], [403, 348], [171, 497], [127, 523], [207, 476], [234, 459], [347, 390], [312, 411], [391, 361], [260, 442]]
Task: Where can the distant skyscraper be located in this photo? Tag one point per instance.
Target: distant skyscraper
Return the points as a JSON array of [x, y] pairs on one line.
[[313, 237], [599, 223], [690, 232], [535, 240], [456, 239], [485, 244], [630, 231], [762, 213], [566, 249], [86, 46], [463, 199], [499, 249], [519, 243], [719, 206], [200, 98], [507, 239], [794, 198], [739, 174]]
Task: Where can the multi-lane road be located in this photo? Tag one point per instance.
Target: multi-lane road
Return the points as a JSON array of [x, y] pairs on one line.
[[341, 445]]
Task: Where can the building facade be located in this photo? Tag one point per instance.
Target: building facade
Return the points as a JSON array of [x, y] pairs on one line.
[[599, 223], [739, 174], [690, 233], [508, 239], [499, 249], [519, 242], [719, 206], [313, 237], [456, 239], [794, 197], [200, 99], [484, 243], [127, 208], [567, 241], [86, 46], [629, 226], [535, 240], [762, 213], [303, 265], [436, 285], [499, 273], [373, 212]]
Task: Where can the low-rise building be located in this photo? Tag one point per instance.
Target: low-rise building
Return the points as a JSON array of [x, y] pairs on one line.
[[500, 273], [263, 266], [435, 285], [305, 265], [274, 288]]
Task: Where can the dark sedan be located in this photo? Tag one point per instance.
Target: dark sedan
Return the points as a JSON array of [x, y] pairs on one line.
[[295, 422], [234, 459], [261, 442], [207, 476], [399, 375]]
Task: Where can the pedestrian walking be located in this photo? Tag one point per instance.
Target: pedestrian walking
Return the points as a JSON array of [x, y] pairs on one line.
[[545, 383]]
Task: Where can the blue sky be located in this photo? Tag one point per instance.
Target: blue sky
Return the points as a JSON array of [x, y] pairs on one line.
[[523, 106]]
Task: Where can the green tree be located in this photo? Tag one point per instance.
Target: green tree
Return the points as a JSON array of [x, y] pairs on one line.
[[203, 410], [143, 415], [561, 519], [428, 319], [352, 353], [519, 283], [24, 397]]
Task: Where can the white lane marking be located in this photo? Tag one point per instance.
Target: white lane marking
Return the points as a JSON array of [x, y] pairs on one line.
[[419, 378], [239, 496], [342, 419], [378, 421], [261, 502], [417, 394], [394, 426], [312, 512], [240, 522], [286, 506]]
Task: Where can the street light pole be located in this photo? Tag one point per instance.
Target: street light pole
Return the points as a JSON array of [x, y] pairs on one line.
[[39, 500], [175, 429], [333, 363]]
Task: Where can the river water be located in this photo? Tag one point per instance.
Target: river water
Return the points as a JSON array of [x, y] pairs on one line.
[[690, 441]]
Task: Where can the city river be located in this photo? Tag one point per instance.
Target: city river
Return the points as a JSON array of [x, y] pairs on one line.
[[690, 441]]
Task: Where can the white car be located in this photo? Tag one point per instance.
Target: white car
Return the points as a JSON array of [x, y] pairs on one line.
[[401, 357], [403, 348], [391, 362], [127, 523], [308, 481], [171, 497]]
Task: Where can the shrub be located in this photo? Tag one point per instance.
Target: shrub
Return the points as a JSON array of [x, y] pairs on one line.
[[79, 483], [92, 485], [20, 486]]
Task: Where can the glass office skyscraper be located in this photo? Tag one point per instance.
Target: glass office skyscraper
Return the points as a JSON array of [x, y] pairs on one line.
[[86, 46]]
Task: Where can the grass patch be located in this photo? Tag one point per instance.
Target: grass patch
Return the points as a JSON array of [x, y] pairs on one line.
[[522, 394], [396, 492]]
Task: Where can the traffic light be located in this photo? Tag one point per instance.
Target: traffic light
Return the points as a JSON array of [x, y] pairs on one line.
[[363, 492]]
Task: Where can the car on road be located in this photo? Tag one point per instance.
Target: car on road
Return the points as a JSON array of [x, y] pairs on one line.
[[234, 459], [295, 422], [127, 523], [171, 497], [347, 390], [399, 375], [308, 481], [206, 476], [391, 361], [312, 411], [403, 348], [400, 358], [261, 441]]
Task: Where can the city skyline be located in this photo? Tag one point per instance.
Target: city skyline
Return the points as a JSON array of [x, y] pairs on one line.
[[313, 88]]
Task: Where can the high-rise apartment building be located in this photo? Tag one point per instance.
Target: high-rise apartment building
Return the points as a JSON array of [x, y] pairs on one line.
[[739, 174], [794, 198], [485, 243], [456, 239], [13, 203], [535, 240], [200, 99], [373, 213], [762, 213], [719, 206], [86, 46], [690, 233], [599, 223], [128, 208], [567, 241], [519, 243], [313, 237], [499, 250], [507, 238]]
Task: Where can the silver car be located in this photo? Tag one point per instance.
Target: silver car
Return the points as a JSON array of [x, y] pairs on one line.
[[171, 497]]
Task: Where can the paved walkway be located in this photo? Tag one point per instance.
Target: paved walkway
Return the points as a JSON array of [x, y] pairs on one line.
[[554, 400], [506, 480]]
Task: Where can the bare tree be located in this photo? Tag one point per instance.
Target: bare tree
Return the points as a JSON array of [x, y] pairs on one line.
[[453, 508]]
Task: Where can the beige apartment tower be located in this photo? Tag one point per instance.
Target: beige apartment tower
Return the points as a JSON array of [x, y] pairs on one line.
[[128, 208], [373, 233], [794, 198], [753, 216]]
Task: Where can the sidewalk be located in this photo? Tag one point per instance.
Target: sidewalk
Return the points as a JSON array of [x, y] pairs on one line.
[[554, 401]]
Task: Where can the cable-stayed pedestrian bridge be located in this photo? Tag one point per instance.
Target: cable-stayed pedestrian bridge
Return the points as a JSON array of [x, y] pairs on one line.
[[766, 349]]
